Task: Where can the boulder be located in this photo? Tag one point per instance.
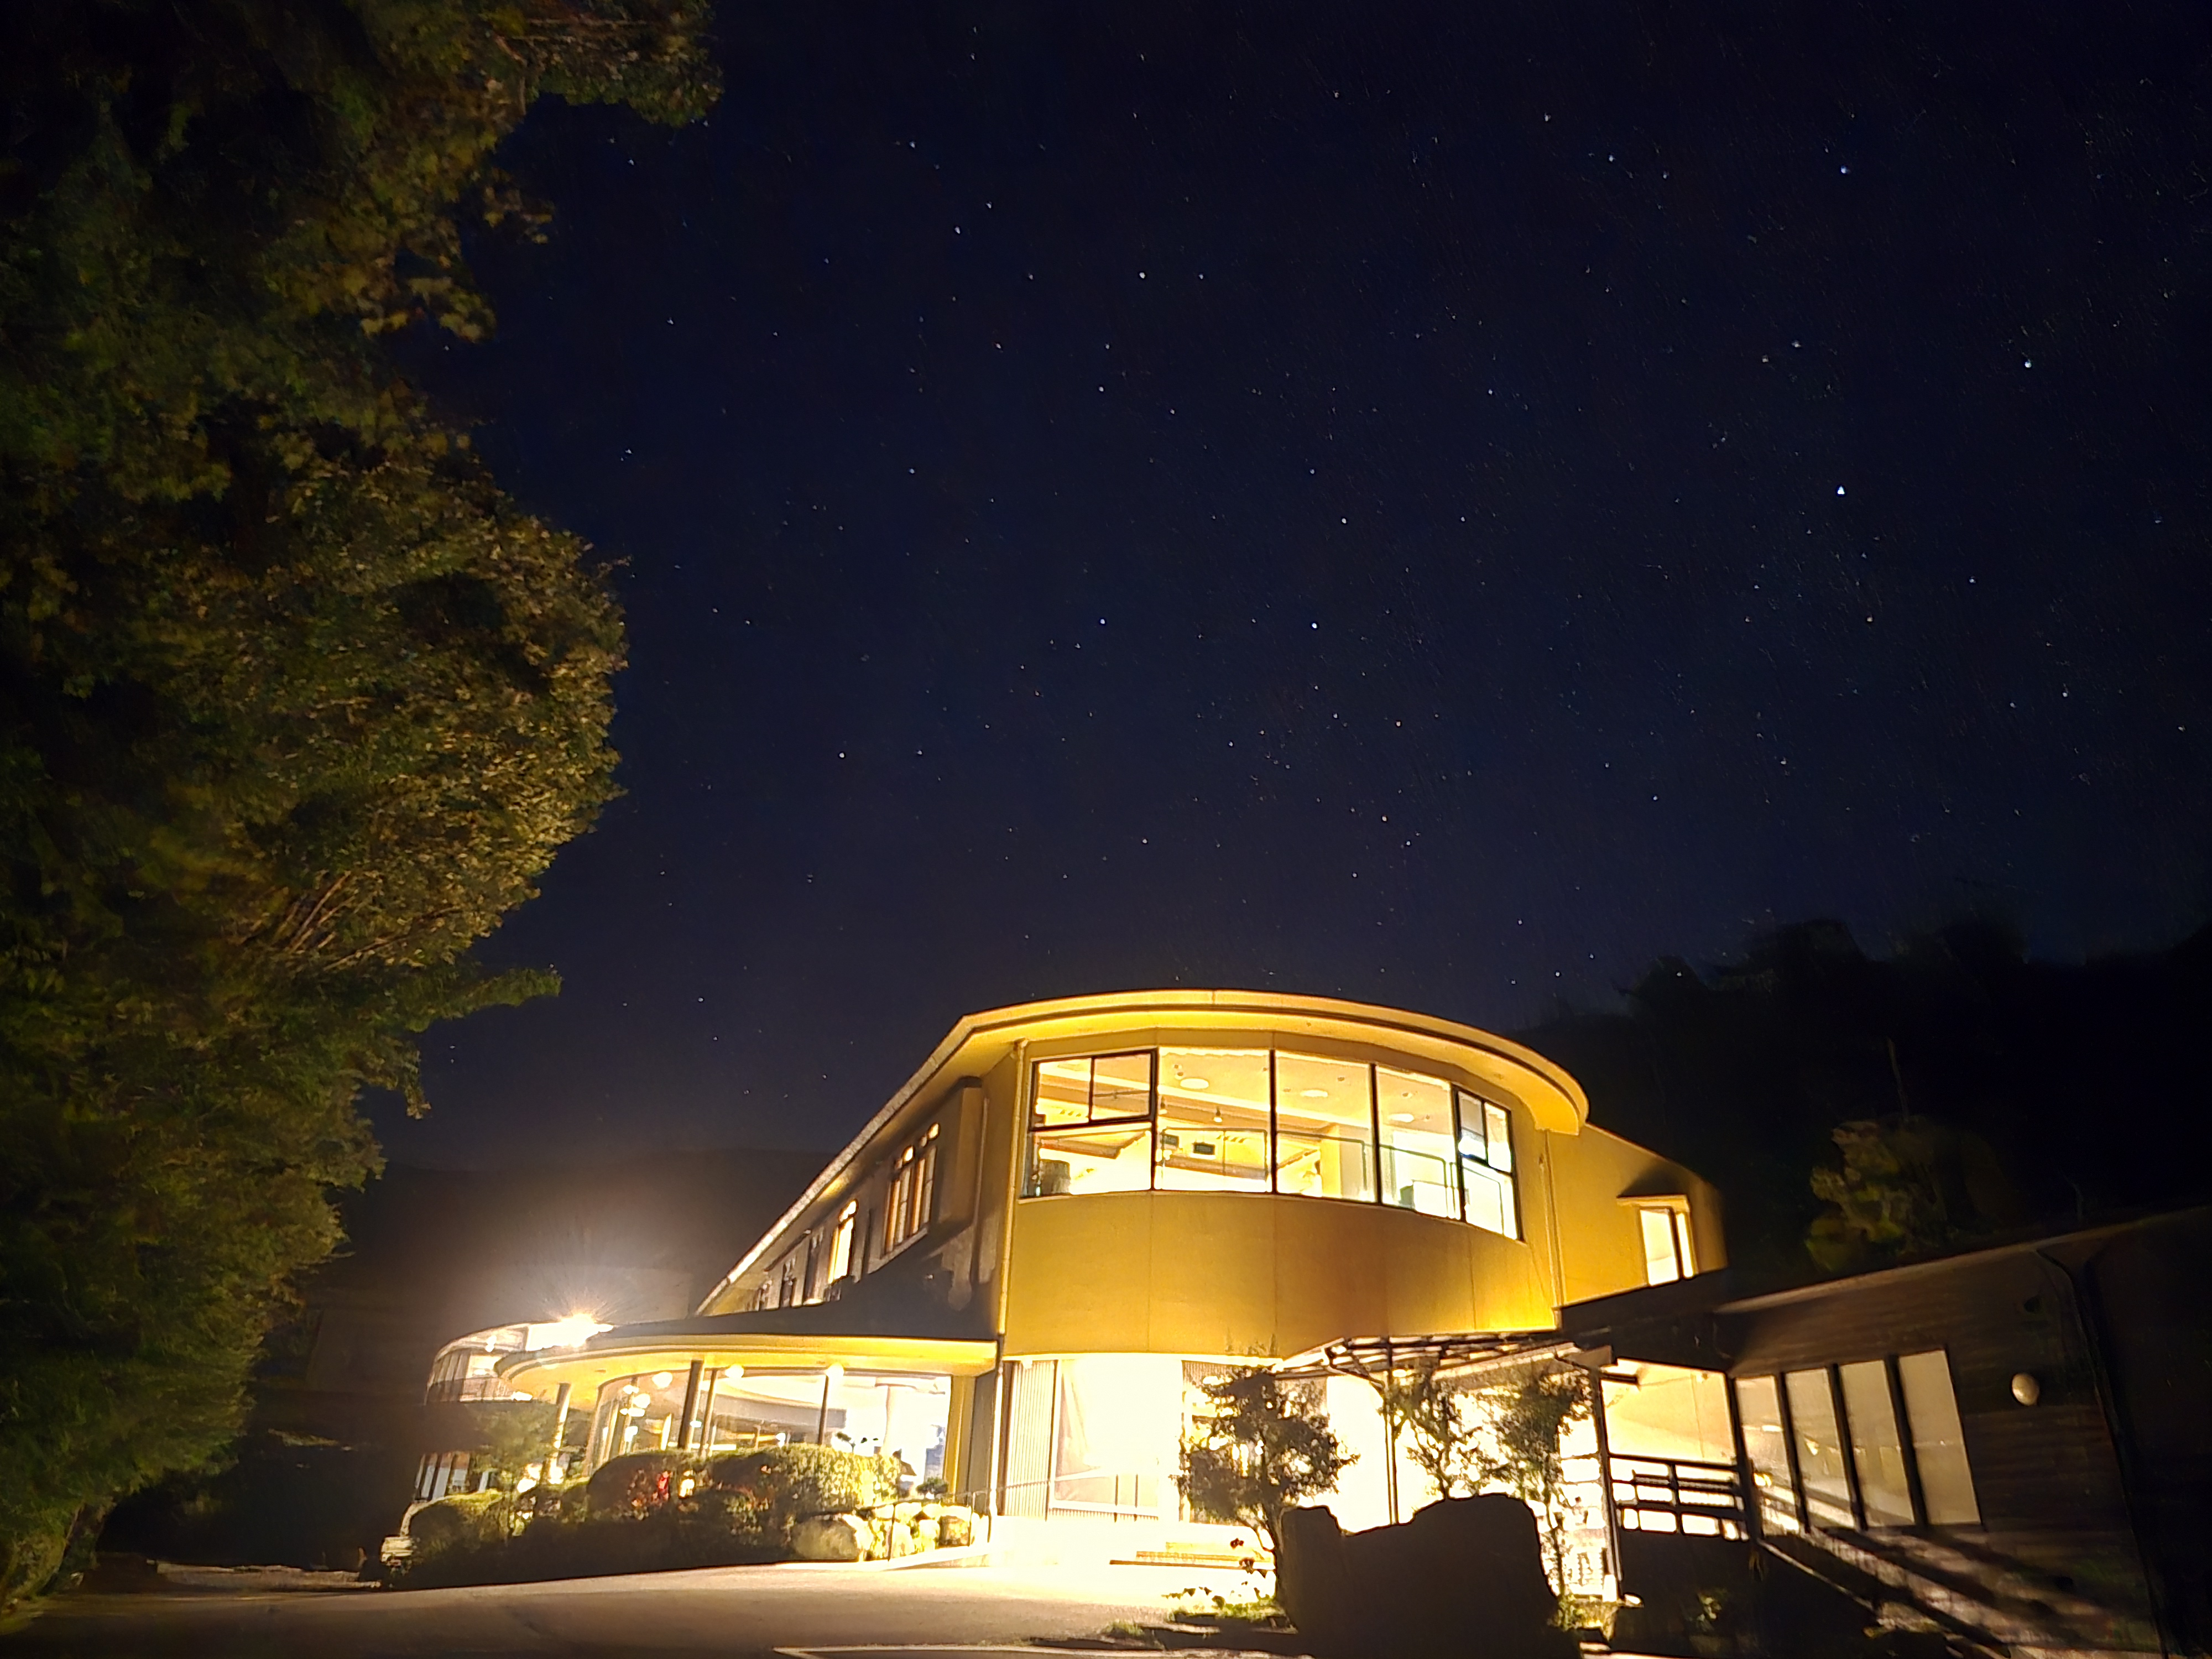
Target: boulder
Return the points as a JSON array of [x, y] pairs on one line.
[[831, 1538], [956, 1527], [1463, 1577]]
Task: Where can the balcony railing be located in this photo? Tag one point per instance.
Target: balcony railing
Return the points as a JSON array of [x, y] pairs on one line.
[[1678, 1494]]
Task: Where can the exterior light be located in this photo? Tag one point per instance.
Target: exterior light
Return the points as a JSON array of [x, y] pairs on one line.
[[662, 1379], [2026, 1389], [1313, 1094], [1197, 1083], [570, 1331], [1401, 1117]]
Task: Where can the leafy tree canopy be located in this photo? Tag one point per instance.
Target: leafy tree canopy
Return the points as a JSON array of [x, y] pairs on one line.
[[294, 704], [1265, 1446]]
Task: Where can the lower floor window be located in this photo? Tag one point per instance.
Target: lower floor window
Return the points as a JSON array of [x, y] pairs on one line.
[[1873, 1444]]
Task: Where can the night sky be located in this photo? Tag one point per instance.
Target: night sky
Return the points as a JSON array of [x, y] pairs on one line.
[[1437, 507]]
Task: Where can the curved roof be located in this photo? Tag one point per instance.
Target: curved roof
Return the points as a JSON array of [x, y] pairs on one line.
[[1482, 1059]]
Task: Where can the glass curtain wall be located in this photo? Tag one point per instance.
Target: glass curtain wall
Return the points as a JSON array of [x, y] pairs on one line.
[[1252, 1120]]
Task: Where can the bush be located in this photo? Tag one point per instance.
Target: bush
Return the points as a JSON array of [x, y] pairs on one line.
[[637, 1484], [695, 1532], [788, 1483], [465, 1521]]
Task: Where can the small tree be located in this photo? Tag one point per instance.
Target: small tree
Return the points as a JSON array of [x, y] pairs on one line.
[[1266, 1446], [1432, 1416], [508, 1436], [1525, 1421]]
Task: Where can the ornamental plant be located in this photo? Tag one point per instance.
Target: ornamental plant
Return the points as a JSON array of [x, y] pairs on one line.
[[1263, 1446]]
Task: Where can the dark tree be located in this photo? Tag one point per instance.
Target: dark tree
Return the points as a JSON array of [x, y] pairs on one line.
[[2049, 1085], [294, 704]]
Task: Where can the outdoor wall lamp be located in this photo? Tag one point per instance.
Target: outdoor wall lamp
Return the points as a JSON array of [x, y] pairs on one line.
[[2026, 1389]]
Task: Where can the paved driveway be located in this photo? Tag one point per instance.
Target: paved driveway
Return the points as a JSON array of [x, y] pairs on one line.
[[730, 1610]]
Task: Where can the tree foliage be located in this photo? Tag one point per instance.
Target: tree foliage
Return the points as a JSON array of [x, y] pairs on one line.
[[1526, 1421], [1505, 1436], [1743, 1069], [1425, 1410], [1264, 1446], [1906, 1186], [294, 704]]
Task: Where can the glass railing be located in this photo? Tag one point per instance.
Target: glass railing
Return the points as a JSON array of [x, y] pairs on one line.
[[1324, 1166], [1419, 1180]]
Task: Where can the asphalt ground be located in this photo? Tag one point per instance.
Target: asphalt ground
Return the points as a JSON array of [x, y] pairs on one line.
[[740, 1612]]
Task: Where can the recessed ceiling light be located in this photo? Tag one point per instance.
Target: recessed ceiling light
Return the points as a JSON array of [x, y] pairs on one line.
[[1313, 1094], [1197, 1083], [1401, 1117]]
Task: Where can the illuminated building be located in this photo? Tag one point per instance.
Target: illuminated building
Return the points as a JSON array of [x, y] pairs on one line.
[[1016, 1276]]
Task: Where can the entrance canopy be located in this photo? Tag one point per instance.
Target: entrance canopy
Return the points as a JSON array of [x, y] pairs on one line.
[[1464, 1355], [673, 1345]]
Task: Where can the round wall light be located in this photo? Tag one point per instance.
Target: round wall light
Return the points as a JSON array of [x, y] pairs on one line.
[[2026, 1389]]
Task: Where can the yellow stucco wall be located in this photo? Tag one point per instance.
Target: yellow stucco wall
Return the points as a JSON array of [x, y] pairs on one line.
[[1601, 1242], [1253, 1273], [1229, 1272]]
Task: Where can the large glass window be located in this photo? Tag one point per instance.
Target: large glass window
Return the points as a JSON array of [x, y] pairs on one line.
[[1885, 1494], [1324, 1128], [1486, 1165], [1766, 1449], [1213, 1132], [1090, 1124], [1245, 1119], [1820, 1449], [1939, 1444], [1414, 1118]]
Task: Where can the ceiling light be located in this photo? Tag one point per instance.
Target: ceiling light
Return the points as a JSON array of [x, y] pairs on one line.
[[1313, 1094], [1401, 1117], [1197, 1083], [662, 1379]]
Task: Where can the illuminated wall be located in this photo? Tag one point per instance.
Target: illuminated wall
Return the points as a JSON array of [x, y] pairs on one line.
[[1155, 1179]]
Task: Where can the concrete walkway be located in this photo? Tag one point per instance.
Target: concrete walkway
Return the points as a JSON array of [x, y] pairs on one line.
[[725, 1611]]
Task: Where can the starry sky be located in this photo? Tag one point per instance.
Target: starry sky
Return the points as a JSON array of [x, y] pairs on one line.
[[1440, 506]]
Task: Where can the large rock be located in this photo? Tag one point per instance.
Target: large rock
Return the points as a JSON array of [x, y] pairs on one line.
[[831, 1538], [1464, 1577]]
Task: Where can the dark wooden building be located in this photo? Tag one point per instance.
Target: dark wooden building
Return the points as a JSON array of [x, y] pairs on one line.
[[2010, 1447]]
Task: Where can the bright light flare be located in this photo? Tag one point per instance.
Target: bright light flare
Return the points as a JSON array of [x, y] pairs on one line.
[[572, 1331]]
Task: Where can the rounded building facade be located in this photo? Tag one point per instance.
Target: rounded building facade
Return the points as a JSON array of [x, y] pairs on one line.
[[1017, 1277]]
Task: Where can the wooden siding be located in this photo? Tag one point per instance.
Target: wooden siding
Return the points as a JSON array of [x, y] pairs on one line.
[[2050, 1464]]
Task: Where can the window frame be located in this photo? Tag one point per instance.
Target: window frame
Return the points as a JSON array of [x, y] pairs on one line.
[[1505, 1172], [1908, 1433], [910, 1200]]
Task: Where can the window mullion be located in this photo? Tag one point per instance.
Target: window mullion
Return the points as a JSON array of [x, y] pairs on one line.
[[1375, 1132]]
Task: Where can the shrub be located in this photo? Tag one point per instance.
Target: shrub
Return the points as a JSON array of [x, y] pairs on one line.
[[637, 1484], [788, 1483], [464, 1521]]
